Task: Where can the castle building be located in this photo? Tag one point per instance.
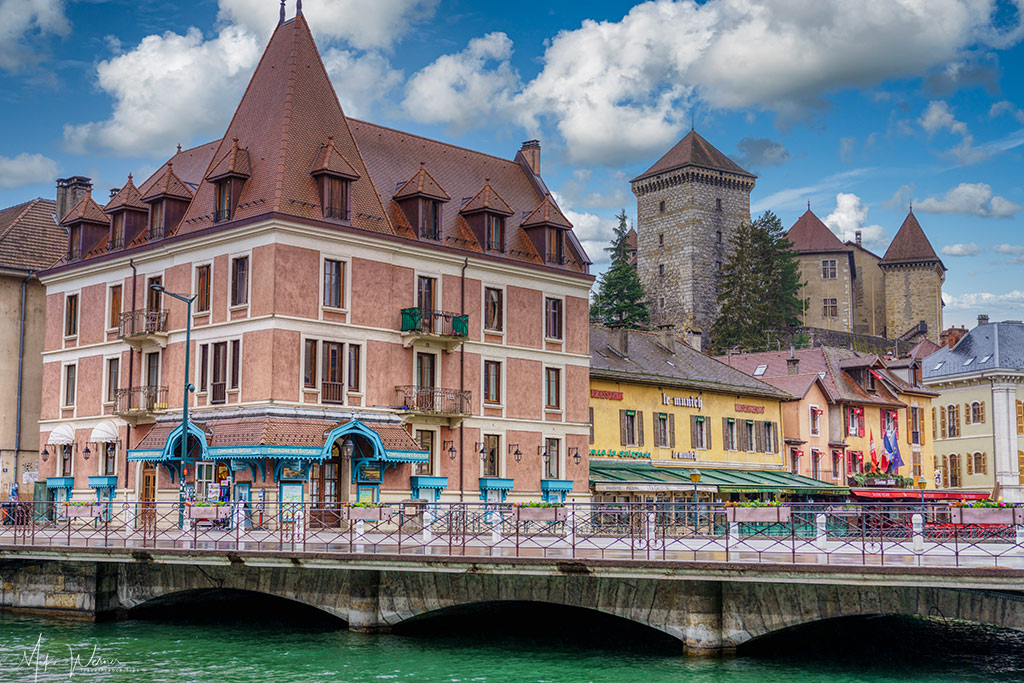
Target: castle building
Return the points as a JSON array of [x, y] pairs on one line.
[[828, 271], [689, 204], [913, 283]]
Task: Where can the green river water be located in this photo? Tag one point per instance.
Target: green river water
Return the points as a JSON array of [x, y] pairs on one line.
[[214, 642]]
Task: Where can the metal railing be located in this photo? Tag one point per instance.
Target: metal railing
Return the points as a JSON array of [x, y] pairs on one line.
[[142, 322], [336, 213], [427, 321], [73, 255], [156, 232], [145, 399], [818, 534], [115, 244], [218, 392], [332, 392], [437, 401]]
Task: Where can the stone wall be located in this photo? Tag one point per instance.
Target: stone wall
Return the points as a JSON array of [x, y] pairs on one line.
[[868, 293], [816, 289], [913, 293]]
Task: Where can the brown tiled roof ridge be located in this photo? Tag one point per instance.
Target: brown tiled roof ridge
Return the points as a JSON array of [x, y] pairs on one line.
[[422, 183], [435, 141], [547, 213], [86, 210], [487, 199], [910, 244], [128, 197], [25, 208], [810, 234], [235, 162], [169, 184], [329, 159]]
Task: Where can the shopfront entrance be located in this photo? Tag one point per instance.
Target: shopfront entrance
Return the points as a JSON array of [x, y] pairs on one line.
[[328, 490], [147, 495]]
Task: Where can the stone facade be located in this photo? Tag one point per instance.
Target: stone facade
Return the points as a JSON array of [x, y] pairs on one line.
[[913, 293], [868, 292], [819, 291]]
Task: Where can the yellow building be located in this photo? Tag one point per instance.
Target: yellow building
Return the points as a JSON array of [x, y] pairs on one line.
[[661, 410]]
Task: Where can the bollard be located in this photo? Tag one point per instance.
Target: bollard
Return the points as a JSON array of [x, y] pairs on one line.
[[428, 519], [917, 522], [821, 536], [495, 530], [1019, 538], [570, 528], [360, 529], [734, 532]]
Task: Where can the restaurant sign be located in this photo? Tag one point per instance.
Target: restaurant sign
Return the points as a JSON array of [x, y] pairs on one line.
[[636, 455], [747, 408], [685, 402], [610, 395]]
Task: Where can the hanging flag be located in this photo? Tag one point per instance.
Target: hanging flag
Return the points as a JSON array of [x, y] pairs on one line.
[[886, 450], [894, 439], [874, 453]]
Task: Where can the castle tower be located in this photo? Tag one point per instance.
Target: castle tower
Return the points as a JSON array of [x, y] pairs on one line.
[[689, 204], [913, 276]]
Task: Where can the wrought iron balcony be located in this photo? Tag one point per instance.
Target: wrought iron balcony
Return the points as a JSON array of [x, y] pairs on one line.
[[73, 255], [448, 330], [138, 403], [156, 232], [336, 213], [447, 405], [143, 327], [115, 244]]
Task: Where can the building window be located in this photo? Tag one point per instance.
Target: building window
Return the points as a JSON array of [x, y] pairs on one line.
[[153, 297], [553, 318], [837, 467], [354, 368], [855, 421], [661, 207], [205, 480], [70, 372], [334, 283], [71, 315], [661, 270], [554, 244], [336, 198], [1020, 417], [699, 432], [954, 470], [551, 458], [750, 436], [240, 281], [552, 388], [117, 231], [203, 288], [219, 373], [770, 445], [113, 378], [729, 432], [980, 463], [830, 308], [915, 426], [815, 463], [115, 307], [495, 233], [493, 312], [661, 429], [222, 210], [309, 364], [492, 381], [828, 269], [110, 458], [977, 413], [815, 421], [628, 432], [425, 438], [431, 217], [718, 204], [236, 358], [952, 421], [718, 236], [332, 389], [492, 452], [661, 239], [156, 219], [916, 467], [66, 461]]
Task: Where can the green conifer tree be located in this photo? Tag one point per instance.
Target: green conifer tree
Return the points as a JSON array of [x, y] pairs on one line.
[[620, 299]]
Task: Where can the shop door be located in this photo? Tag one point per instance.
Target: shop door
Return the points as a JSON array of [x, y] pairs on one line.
[[40, 496], [243, 502], [325, 492], [148, 494]]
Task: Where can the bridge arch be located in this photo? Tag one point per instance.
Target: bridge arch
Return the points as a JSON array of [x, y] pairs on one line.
[[230, 603]]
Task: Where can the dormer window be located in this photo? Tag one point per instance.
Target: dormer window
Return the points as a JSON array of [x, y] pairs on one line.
[[556, 248], [156, 220], [869, 380], [495, 233], [223, 200], [228, 177], [334, 175], [336, 198], [75, 243], [430, 212], [117, 231]]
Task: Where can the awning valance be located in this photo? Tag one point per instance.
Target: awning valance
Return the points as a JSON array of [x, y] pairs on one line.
[[62, 435], [104, 432]]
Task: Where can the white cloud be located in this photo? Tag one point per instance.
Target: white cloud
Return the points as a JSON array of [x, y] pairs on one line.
[[846, 147], [793, 197], [971, 249], [361, 81], [1005, 107], [1004, 301], [27, 169], [900, 199], [1015, 252], [28, 18], [970, 199], [464, 89], [938, 117], [364, 24], [760, 152], [849, 217]]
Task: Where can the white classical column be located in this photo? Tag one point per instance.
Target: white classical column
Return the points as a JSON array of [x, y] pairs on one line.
[[1004, 423]]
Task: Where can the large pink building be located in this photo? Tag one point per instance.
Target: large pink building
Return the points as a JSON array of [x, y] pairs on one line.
[[425, 302]]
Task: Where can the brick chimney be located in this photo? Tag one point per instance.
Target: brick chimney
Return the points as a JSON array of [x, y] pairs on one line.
[[70, 191], [531, 152], [618, 340], [858, 237], [695, 339], [792, 363], [667, 337]]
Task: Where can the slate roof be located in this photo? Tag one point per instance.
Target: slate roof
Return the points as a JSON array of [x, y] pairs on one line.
[[649, 362], [910, 245], [810, 235], [30, 238], [1000, 344], [797, 385], [693, 150]]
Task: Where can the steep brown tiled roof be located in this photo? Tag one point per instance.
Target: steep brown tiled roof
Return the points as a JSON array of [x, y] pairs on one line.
[[911, 245], [796, 385], [234, 162], [330, 160], [693, 150], [128, 197], [487, 199], [547, 213], [810, 235], [86, 210], [30, 238], [286, 113], [168, 184], [422, 184]]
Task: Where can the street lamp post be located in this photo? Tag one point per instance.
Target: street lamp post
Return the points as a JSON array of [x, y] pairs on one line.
[[695, 478], [188, 349], [921, 484]]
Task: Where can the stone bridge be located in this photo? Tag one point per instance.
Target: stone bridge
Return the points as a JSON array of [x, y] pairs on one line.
[[708, 607]]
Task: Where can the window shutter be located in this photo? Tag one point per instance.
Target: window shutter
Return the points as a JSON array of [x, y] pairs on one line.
[[935, 425], [774, 445], [622, 427], [707, 432], [945, 472], [860, 426], [881, 422], [970, 463], [741, 435], [910, 424], [639, 428], [942, 421], [984, 463], [982, 416], [759, 436], [1020, 417], [671, 430], [920, 427], [591, 424], [725, 434], [693, 431], [957, 418], [967, 413]]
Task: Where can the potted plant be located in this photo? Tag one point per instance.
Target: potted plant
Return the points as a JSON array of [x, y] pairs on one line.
[[82, 509], [986, 512], [769, 511], [540, 512], [372, 512], [215, 510]]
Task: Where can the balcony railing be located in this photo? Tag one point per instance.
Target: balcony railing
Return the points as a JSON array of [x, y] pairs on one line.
[[115, 244], [433, 401], [442, 323], [336, 213], [218, 392], [145, 399], [73, 255], [332, 392], [142, 323], [156, 232]]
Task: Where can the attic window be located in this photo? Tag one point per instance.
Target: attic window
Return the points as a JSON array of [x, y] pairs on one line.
[[969, 361], [985, 359], [431, 217], [335, 197], [555, 250], [941, 363], [223, 207], [495, 233], [760, 370], [670, 363]]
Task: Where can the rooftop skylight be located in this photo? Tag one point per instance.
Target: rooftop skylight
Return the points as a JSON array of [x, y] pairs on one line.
[[985, 358], [760, 370], [969, 361]]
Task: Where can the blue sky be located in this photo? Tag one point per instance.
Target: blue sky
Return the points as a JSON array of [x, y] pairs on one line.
[[856, 107]]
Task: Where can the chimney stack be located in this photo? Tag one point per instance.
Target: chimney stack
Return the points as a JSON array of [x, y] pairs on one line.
[[858, 237], [618, 340], [792, 363], [983, 319], [667, 337], [114, 191], [531, 153], [69, 192], [693, 338]]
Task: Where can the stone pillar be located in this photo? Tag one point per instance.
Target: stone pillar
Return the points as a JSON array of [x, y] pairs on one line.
[[1004, 424], [364, 602], [702, 626]]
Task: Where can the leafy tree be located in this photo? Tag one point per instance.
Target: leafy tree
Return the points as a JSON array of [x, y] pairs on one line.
[[620, 299], [758, 287]]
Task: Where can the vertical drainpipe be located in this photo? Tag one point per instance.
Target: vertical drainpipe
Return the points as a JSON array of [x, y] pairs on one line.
[[21, 370], [131, 375], [462, 387]]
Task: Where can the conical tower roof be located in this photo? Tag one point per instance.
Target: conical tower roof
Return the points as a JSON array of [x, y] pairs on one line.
[[911, 245], [694, 150], [128, 197], [810, 235], [287, 112]]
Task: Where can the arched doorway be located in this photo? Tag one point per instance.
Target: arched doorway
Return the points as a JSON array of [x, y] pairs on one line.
[[329, 488]]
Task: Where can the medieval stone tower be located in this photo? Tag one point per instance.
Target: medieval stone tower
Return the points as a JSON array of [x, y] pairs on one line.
[[689, 204], [913, 275]]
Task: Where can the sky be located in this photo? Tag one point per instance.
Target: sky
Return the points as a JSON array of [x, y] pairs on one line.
[[859, 107]]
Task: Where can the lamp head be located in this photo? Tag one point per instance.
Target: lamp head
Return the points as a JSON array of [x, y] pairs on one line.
[[156, 287], [348, 447], [451, 452], [695, 476]]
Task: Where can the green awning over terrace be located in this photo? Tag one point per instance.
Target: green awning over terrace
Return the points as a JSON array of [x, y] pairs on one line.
[[605, 476]]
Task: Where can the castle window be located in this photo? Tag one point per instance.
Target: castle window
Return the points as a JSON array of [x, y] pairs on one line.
[[830, 308], [661, 270], [661, 240], [661, 207], [718, 236], [828, 269], [718, 204], [718, 266]]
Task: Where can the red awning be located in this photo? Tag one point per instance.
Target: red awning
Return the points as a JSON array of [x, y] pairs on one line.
[[910, 494]]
